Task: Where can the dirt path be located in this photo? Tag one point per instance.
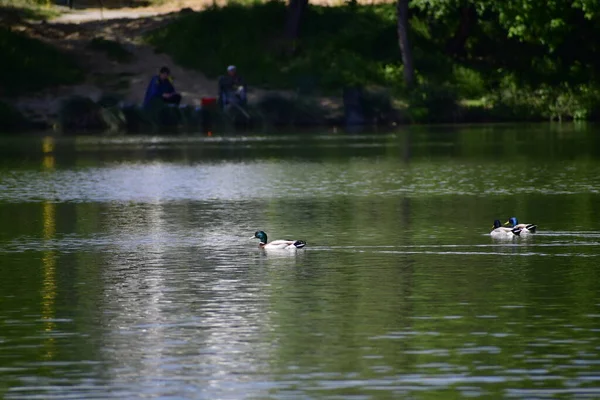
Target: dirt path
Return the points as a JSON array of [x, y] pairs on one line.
[[73, 32], [90, 15]]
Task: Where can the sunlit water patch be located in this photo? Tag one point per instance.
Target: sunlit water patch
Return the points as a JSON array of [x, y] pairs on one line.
[[126, 182]]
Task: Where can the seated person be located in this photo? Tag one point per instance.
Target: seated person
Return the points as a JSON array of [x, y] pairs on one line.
[[161, 87], [232, 88]]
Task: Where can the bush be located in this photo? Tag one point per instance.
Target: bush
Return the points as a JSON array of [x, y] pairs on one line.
[[558, 102], [10, 118], [378, 106], [137, 120], [278, 110], [468, 82], [80, 114], [433, 103]]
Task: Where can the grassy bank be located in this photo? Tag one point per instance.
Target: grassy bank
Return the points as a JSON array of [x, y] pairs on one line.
[[13, 12], [498, 79], [29, 64]]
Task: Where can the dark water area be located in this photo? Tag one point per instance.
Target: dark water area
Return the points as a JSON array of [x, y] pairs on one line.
[[126, 270]]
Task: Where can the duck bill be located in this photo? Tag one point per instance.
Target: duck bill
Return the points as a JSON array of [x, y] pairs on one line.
[[507, 223], [253, 237]]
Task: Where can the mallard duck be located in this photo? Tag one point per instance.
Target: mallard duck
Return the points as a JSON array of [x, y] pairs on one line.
[[525, 228], [499, 232], [277, 244]]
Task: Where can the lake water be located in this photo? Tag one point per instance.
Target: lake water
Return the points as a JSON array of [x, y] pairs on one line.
[[126, 268]]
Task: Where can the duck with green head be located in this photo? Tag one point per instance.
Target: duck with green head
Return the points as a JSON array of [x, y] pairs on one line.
[[525, 228], [500, 232], [277, 244]]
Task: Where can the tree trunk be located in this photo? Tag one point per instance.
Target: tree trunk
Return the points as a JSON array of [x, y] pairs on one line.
[[292, 27], [468, 19], [407, 60]]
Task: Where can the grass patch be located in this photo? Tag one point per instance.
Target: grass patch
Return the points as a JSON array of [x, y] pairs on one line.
[[113, 50], [13, 12], [29, 64]]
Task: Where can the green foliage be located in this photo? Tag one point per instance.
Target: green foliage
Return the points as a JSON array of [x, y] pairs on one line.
[[113, 50], [378, 106], [278, 110], [433, 103], [359, 52], [29, 64], [469, 82], [590, 8], [562, 102], [520, 60], [13, 12]]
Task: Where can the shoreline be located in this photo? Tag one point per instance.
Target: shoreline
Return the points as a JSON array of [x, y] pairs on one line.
[[117, 58]]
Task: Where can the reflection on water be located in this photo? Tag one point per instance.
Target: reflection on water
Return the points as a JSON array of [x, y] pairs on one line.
[[127, 270], [49, 286]]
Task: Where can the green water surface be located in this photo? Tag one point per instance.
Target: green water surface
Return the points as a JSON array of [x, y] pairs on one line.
[[126, 268]]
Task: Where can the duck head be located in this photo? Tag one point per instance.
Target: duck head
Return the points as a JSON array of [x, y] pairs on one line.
[[260, 235], [512, 221], [497, 224]]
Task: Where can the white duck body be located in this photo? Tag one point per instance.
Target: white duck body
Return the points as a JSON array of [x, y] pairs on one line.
[[282, 245], [277, 244], [503, 233], [499, 232], [526, 229]]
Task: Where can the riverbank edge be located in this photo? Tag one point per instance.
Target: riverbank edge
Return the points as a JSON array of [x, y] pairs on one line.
[[132, 119], [290, 109]]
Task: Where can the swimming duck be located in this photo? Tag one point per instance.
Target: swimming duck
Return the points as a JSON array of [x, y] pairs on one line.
[[499, 232], [525, 228], [278, 244]]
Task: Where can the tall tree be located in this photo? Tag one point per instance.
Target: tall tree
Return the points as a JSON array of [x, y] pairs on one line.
[[292, 27], [404, 43]]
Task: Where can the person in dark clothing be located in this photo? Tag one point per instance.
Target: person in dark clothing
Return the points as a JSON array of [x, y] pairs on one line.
[[161, 87], [232, 88]]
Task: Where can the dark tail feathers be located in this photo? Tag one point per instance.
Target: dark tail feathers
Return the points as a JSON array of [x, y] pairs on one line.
[[299, 244], [517, 231], [531, 228]]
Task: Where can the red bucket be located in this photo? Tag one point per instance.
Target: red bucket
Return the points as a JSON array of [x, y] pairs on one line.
[[208, 101]]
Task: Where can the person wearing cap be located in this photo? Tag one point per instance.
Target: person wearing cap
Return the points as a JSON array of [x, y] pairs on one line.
[[232, 88], [161, 87]]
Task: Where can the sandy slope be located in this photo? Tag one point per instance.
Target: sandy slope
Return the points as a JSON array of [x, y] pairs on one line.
[[73, 32]]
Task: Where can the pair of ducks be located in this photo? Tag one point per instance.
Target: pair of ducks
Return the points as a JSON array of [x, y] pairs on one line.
[[515, 229], [498, 231]]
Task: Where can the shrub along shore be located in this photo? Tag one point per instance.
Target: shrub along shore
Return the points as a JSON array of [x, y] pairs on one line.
[[491, 76]]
